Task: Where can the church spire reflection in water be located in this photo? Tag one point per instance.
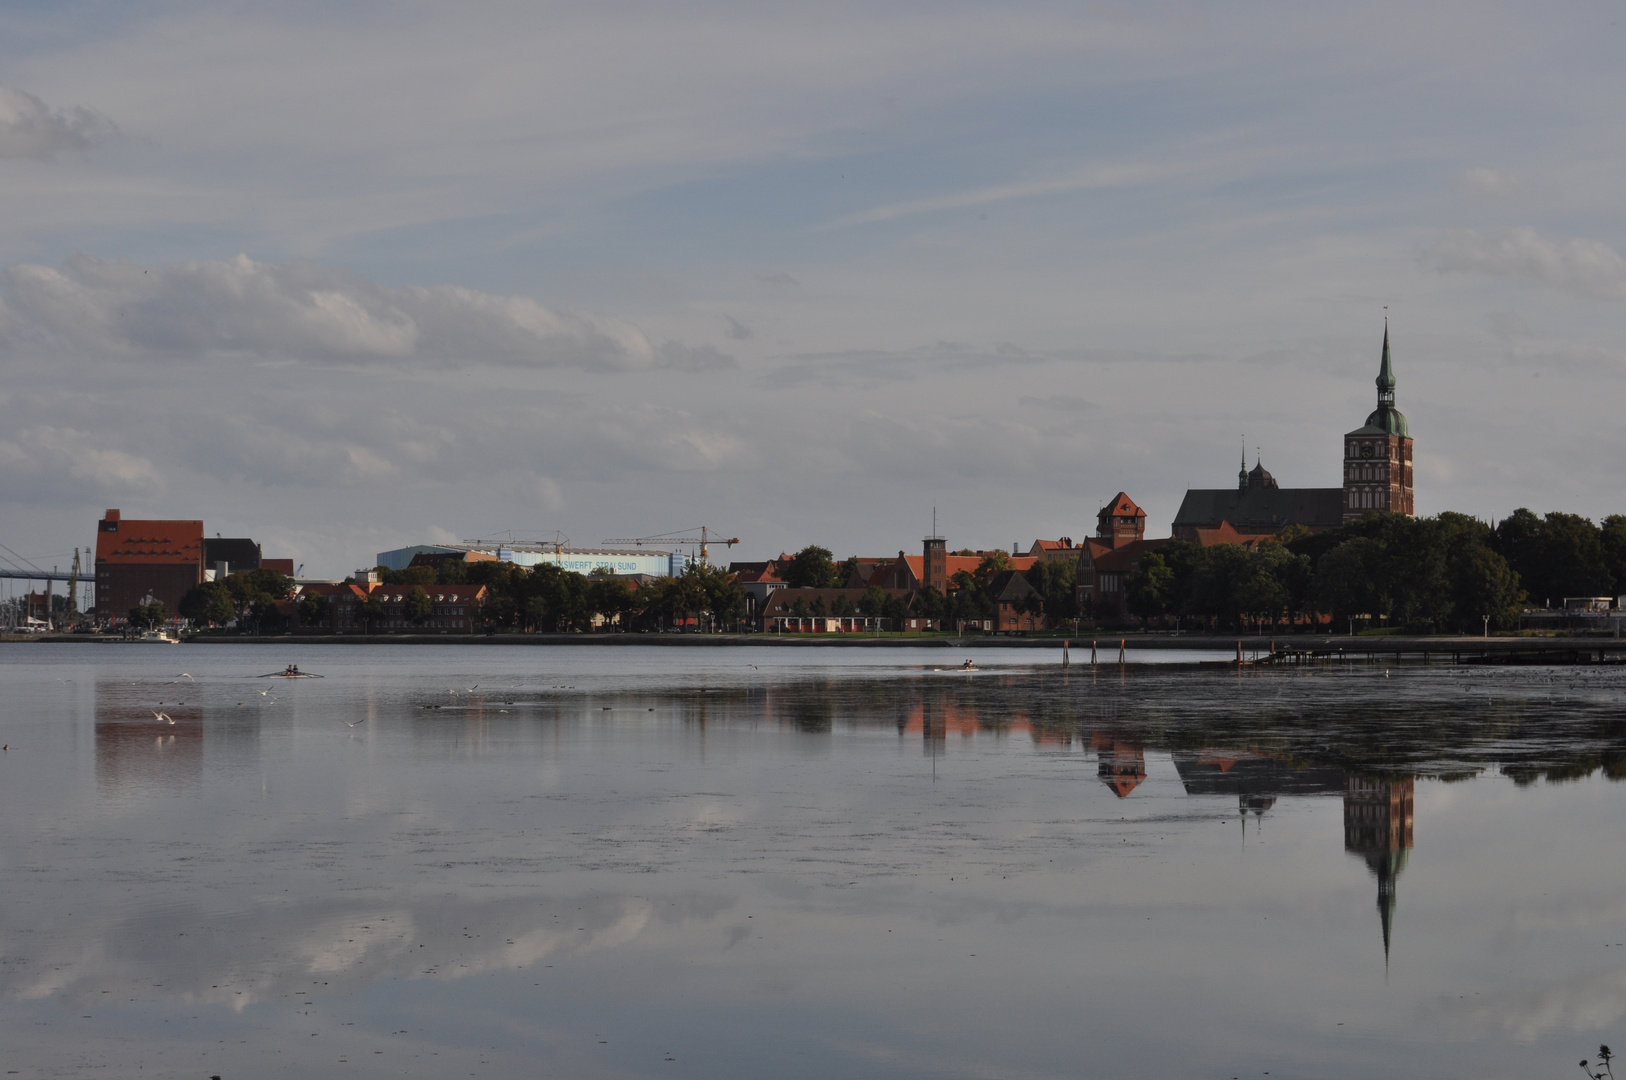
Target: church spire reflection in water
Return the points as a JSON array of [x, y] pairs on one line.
[[1377, 827]]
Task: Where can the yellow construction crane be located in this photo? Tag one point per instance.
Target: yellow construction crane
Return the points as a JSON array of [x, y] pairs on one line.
[[701, 537]]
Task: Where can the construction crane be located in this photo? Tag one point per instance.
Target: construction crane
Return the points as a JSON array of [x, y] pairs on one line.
[[692, 537]]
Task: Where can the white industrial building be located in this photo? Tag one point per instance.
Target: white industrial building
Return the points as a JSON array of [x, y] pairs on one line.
[[580, 560]]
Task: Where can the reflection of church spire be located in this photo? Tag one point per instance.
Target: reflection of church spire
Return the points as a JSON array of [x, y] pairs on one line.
[[1378, 827]]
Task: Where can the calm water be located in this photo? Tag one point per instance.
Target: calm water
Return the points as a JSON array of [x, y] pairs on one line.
[[648, 862]]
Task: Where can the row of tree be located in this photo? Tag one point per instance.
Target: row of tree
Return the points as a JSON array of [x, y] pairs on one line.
[[550, 599], [1427, 574]]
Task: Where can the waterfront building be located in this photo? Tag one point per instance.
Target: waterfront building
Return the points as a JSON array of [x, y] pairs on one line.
[[578, 560], [456, 608], [138, 560], [1107, 559]]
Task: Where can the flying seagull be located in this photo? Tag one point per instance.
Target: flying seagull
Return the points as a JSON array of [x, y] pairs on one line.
[[163, 716], [183, 675], [349, 723]]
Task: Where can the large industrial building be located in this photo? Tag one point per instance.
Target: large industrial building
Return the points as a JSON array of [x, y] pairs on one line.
[[580, 560], [140, 559]]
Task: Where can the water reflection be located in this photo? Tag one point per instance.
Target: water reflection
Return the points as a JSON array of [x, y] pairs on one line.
[[1377, 826], [155, 735], [766, 859]]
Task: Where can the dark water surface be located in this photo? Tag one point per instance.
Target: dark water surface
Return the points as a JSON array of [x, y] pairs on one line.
[[645, 862]]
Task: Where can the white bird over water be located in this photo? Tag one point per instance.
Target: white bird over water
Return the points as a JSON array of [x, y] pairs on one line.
[[353, 723], [163, 716], [183, 675]]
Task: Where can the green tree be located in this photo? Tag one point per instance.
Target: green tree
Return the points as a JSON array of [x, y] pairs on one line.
[[312, 609], [608, 597], [370, 612], [993, 564], [1151, 587], [419, 606], [208, 604], [932, 604], [873, 602], [1613, 541], [1347, 581], [812, 568], [1056, 586], [841, 607], [895, 610], [144, 616], [415, 575]]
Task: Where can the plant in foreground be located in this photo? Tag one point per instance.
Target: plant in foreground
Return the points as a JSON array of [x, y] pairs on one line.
[[1601, 1069]]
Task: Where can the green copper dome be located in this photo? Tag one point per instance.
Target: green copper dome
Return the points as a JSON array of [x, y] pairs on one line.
[[1386, 418]]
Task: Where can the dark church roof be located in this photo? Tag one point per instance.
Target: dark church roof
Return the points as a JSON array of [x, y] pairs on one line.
[[1261, 509]]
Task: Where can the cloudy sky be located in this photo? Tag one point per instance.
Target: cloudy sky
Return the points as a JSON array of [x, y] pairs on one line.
[[344, 277]]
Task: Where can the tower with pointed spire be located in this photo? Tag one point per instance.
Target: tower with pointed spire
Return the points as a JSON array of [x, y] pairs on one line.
[[1377, 455]]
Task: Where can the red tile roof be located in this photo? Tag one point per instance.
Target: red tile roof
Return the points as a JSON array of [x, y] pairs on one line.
[[131, 541]]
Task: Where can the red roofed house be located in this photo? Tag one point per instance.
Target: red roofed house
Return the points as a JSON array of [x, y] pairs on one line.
[[1107, 559], [456, 608], [138, 559]]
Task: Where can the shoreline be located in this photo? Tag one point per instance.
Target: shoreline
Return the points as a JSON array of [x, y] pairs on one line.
[[1582, 650]]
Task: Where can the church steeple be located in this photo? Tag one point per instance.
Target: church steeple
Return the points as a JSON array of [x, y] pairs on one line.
[[1242, 473], [1386, 374]]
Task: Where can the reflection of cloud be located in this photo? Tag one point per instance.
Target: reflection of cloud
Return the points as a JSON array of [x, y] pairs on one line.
[[31, 129], [1586, 1002], [1583, 267], [242, 308], [248, 958]]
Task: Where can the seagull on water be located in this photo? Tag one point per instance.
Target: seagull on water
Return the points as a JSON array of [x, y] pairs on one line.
[[163, 716], [183, 675]]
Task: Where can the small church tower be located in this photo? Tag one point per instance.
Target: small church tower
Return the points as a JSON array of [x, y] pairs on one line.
[[1377, 456]]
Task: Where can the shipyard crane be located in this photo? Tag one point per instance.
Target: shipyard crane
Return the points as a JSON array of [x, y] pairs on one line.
[[692, 537]]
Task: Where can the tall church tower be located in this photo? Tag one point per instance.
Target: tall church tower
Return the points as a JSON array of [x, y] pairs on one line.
[[1377, 457]]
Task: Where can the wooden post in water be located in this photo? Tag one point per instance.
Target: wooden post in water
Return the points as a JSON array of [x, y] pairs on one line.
[[1238, 652], [1121, 651], [1064, 660], [1092, 654]]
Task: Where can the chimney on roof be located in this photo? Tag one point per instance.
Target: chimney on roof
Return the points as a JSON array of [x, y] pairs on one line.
[[111, 515]]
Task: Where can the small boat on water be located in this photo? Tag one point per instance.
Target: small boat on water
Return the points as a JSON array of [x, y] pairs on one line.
[[290, 672], [157, 637]]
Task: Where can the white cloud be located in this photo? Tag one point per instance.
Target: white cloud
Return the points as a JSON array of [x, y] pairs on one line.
[[296, 310], [1106, 176], [41, 462], [1588, 268], [30, 129], [1491, 183], [681, 357]]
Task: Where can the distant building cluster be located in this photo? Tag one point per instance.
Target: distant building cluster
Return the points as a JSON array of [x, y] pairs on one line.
[[143, 561], [140, 562]]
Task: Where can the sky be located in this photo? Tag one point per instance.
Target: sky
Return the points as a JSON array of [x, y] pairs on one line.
[[344, 277]]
